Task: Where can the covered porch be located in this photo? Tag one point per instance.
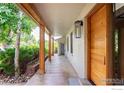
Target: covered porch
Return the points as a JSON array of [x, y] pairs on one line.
[[83, 56], [57, 20]]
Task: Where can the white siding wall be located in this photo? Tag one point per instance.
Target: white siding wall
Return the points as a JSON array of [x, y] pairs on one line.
[[78, 58]]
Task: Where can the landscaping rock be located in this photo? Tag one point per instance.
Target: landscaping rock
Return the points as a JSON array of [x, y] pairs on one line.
[[15, 80], [23, 78]]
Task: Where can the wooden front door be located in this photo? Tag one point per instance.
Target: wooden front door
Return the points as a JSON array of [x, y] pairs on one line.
[[98, 31]]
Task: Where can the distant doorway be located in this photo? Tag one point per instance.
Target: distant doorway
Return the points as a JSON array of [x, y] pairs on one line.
[[61, 49]]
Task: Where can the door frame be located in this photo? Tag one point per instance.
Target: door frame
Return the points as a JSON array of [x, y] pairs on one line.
[[108, 59]]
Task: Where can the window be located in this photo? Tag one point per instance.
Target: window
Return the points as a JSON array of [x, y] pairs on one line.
[[67, 44], [71, 42]]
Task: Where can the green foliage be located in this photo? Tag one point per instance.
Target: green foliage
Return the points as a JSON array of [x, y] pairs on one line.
[[27, 24], [7, 68], [27, 54], [46, 52], [9, 17], [27, 39], [7, 61], [46, 47], [8, 21]]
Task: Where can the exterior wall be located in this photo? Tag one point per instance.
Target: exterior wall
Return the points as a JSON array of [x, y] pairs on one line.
[[78, 58]]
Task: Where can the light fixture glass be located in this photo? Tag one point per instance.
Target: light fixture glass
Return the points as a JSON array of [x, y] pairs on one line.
[[78, 25]]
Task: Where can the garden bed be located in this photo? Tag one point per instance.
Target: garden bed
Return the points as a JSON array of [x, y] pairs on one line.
[[8, 80], [29, 64], [22, 79]]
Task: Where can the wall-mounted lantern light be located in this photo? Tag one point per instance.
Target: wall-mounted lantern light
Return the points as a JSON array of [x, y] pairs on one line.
[[78, 25]]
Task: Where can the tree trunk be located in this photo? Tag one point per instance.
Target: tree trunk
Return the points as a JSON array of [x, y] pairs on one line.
[[17, 46]]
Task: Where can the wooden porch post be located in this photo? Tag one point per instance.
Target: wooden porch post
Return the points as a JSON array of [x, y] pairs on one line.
[[49, 47], [52, 46], [42, 54]]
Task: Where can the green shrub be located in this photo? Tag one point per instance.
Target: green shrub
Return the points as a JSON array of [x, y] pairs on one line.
[[46, 51], [8, 69], [7, 61], [46, 47], [26, 55]]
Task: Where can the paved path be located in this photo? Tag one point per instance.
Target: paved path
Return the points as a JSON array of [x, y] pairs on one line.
[[58, 72]]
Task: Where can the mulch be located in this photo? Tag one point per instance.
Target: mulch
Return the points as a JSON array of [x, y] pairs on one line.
[[5, 79], [22, 79]]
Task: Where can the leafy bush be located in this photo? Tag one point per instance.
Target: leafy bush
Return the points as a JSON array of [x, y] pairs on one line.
[[7, 61], [46, 52], [26, 55], [46, 47], [7, 68]]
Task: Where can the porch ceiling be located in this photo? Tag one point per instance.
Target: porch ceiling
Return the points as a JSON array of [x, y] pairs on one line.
[[58, 17]]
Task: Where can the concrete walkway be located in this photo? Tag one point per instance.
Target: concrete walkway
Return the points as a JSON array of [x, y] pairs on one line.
[[58, 72]]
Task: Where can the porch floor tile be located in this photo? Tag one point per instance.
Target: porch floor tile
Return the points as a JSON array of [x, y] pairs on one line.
[[58, 72]]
